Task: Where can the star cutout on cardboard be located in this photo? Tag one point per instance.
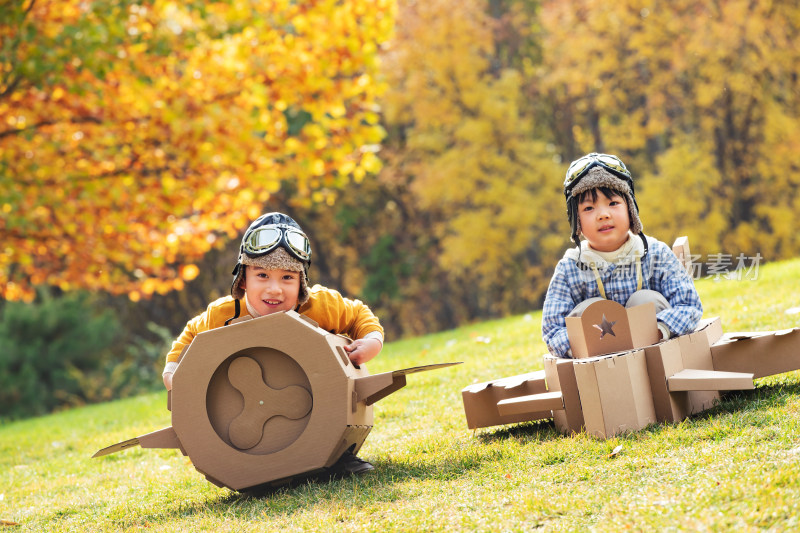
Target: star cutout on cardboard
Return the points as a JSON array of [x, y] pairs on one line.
[[605, 327]]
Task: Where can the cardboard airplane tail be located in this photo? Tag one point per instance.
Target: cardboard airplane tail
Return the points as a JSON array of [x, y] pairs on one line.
[[163, 438]]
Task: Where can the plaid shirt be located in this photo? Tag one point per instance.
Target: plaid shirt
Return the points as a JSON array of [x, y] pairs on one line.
[[662, 272]]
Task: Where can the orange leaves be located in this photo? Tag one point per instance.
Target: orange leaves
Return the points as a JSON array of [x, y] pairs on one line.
[[167, 129]]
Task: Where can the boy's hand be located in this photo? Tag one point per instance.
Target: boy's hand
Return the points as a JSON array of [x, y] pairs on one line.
[[168, 380], [362, 350]]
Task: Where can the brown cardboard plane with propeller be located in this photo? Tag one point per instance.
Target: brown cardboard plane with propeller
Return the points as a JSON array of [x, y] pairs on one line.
[[263, 400], [623, 379]]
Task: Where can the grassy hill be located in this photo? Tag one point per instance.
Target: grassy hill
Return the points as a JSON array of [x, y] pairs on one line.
[[736, 466]]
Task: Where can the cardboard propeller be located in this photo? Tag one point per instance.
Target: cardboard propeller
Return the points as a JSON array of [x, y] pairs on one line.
[[266, 399]]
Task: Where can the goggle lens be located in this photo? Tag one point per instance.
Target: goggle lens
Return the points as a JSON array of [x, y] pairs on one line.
[[263, 239], [267, 238], [298, 242]]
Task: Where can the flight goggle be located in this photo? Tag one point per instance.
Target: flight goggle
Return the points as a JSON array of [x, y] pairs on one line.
[[264, 239], [580, 167]]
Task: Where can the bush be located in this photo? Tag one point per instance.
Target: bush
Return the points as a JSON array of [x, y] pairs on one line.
[[134, 367], [60, 352]]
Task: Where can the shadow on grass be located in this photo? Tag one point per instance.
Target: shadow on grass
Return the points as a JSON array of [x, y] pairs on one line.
[[769, 392], [306, 491], [535, 431], [773, 391], [383, 485]]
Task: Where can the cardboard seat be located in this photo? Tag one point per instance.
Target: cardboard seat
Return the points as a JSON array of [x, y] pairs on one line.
[[608, 327]]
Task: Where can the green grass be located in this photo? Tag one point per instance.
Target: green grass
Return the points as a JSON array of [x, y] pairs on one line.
[[735, 467]]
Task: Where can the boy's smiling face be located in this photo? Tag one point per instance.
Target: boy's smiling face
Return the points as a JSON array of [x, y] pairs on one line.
[[604, 221], [271, 290]]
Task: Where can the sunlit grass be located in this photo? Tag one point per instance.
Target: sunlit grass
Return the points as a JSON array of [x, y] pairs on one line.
[[736, 467]]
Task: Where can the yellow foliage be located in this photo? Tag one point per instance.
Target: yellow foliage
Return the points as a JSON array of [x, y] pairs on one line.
[[683, 83], [139, 140], [476, 171], [189, 272]]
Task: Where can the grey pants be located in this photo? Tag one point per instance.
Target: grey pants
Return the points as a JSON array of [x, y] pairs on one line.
[[637, 298]]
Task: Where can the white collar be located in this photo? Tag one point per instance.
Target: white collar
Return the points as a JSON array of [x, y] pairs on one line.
[[630, 250], [250, 308]]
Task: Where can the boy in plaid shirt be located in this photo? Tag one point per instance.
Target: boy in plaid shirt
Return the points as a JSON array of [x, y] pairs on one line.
[[615, 261]]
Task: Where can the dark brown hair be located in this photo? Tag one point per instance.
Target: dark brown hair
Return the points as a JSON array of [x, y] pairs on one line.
[[607, 191]]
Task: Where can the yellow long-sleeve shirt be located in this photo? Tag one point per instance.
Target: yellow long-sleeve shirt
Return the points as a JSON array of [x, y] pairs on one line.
[[325, 306]]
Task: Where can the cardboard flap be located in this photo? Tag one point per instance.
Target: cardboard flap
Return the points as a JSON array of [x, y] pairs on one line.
[[712, 327], [512, 382], [760, 353], [114, 448], [546, 401], [681, 250], [423, 368], [477, 387], [703, 380], [163, 438], [741, 335], [370, 389], [515, 381]]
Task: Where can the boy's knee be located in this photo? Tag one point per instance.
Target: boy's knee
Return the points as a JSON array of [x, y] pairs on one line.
[[644, 296], [581, 307]]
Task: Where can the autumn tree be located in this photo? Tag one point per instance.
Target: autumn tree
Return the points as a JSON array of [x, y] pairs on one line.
[[459, 222], [700, 97], [136, 136]]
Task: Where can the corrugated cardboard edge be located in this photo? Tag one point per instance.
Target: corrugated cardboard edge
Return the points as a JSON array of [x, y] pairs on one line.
[[560, 375], [708, 380]]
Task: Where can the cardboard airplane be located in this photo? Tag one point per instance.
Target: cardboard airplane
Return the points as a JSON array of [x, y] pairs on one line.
[[623, 379], [263, 400]]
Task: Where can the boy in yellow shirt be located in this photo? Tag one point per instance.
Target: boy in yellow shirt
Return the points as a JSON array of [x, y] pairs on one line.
[[271, 275]]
